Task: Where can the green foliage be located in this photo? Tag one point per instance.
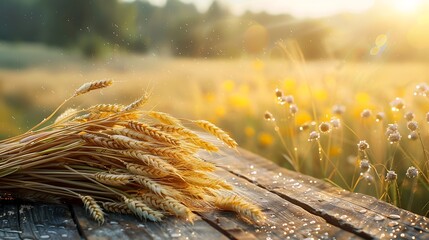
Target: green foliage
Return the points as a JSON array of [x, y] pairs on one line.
[[92, 46], [95, 25]]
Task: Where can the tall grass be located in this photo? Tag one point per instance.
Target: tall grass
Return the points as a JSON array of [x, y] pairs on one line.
[[373, 142]]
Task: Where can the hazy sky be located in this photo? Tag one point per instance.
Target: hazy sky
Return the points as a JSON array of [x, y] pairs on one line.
[[298, 8]]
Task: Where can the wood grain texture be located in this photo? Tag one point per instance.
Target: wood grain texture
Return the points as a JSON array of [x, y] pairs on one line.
[[361, 214], [127, 227], [46, 221], [9, 222], [284, 220]]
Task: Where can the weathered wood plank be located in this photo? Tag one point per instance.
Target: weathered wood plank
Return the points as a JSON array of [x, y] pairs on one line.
[[46, 221], [118, 226], [284, 219], [9, 224], [355, 212]]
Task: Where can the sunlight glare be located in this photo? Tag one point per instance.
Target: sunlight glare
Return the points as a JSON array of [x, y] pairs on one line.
[[406, 6]]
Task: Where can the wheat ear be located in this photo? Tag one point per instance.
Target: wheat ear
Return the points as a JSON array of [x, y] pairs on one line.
[[164, 118], [168, 204], [113, 179], [142, 210], [89, 86], [93, 208], [116, 207], [242, 207], [217, 132]]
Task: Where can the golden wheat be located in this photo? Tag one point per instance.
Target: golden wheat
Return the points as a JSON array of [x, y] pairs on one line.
[[216, 131], [111, 152], [164, 118], [92, 86], [142, 210], [115, 207], [93, 208]]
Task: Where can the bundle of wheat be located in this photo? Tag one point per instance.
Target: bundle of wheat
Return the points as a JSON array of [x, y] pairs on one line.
[[121, 159]]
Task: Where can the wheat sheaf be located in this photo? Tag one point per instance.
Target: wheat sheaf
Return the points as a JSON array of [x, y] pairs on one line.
[[123, 159]]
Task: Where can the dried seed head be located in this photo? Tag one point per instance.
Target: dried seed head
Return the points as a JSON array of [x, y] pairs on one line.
[[380, 116], [362, 145], [366, 113], [289, 99], [409, 116], [397, 104], [412, 172], [324, 127], [313, 136], [391, 176], [391, 128], [412, 125], [364, 165], [413, 135], [279, 93], [394, 137], [336, 123], [338, 109], [89, 86], [422, 89], [269, 117], [293, 108]]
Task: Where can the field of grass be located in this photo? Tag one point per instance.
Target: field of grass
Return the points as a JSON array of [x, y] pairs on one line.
[[235, 94]]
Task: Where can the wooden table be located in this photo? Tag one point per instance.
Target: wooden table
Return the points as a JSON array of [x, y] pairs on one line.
[[296, 206]]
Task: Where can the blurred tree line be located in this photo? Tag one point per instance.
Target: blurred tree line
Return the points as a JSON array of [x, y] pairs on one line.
[[96, 26]]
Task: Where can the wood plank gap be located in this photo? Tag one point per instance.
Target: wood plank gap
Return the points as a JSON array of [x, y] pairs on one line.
[[308, 208], [215, 226], [75, 220]]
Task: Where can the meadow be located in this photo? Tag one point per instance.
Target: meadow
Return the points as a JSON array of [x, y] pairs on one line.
[[306, 116]]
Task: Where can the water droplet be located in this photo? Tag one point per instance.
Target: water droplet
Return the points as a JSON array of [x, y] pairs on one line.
[[393, 223], [64, 235], [176, 235], [378, 218], [113, 222], [362, 211], [394, 216], [44, 236]]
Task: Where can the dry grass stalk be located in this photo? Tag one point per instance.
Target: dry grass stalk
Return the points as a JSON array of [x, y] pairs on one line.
[[108, 152]]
